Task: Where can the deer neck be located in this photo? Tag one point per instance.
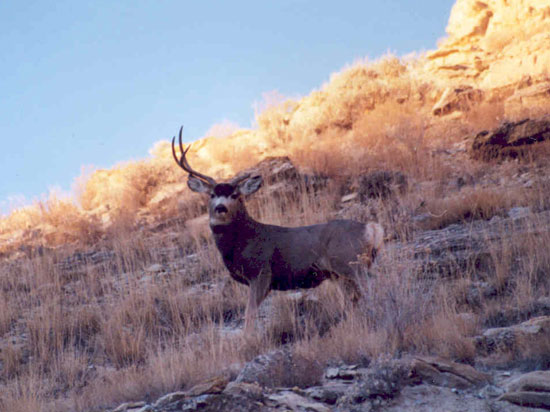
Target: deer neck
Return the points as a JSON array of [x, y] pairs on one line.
[[234, 235]]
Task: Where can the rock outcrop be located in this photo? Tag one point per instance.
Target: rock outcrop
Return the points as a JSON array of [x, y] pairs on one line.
[[531, 389], [419, 384], [494, 43], [457, 247], [511, 140]]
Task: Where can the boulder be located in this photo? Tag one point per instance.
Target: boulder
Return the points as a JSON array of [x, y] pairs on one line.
[[531, 95], [292, 401], [528, 398], [455, 99], [275, 169], [347, 372], [442, 372], [538, 381], [249, 390], [530, 389], [527, 334], [281, 368], [381, 382], [510, 140], [214, 385], [282, 179], [328, 393]]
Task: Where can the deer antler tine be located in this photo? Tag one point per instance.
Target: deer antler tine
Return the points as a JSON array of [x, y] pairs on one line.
[[184, 164], [236, 180], [174, 150], [181, 145]]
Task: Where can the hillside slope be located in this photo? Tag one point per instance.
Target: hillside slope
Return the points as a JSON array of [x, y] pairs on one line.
[[493, 65], [121, 298]]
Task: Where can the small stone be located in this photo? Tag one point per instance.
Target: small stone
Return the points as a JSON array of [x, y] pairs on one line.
[[249, 390], [345, 373], [214, 385], [169, 398], [490, 391], [296, 402], [349, 198], [332, 373], [323, 394], [128, 406], [519, 212], [146, 408]]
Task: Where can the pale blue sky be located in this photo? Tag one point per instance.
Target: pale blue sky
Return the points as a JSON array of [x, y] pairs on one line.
[[98, 82]]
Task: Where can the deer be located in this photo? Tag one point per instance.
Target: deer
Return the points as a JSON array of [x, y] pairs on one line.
[[268, 257]]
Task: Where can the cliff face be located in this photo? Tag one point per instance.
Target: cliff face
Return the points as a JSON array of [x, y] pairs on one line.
[[494, 43]]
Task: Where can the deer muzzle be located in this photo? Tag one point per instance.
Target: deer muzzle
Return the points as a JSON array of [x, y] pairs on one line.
[[221, 209]]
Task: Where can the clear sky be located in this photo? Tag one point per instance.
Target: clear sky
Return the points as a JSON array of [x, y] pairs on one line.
[[93, 83]]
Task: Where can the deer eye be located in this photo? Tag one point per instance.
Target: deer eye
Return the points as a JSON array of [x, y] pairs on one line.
[[234, 195], [212, 195]]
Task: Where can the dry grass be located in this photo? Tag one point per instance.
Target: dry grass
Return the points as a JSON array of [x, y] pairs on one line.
[[98, 332], [470, 204], [145, 305], [101, 332]]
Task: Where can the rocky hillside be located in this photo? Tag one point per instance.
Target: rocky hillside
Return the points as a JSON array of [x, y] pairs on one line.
[[491, 67], [120, 301]]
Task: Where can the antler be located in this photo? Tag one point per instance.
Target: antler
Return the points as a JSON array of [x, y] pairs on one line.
[[184, 164], [238, 179]]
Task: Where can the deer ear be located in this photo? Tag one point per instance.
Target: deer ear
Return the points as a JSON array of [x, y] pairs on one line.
[[197, 185], [251, 185]]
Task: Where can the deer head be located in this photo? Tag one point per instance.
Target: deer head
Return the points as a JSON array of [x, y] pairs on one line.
[[226, 199]]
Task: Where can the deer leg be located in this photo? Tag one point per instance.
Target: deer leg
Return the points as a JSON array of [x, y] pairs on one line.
[[259, 289], [347, 278], [351, 289]]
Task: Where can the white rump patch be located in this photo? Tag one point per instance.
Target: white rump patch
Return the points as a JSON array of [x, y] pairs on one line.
[[374, 235]]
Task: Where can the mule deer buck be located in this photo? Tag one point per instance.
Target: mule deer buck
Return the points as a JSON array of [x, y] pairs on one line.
[[267, 257]]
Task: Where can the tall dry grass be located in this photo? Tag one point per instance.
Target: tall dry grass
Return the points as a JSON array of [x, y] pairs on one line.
[[143, 313]]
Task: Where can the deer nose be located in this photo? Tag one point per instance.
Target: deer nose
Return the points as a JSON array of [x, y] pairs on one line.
[[220, 209]]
